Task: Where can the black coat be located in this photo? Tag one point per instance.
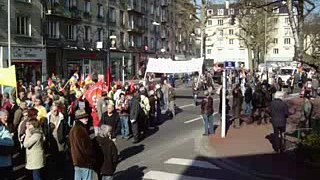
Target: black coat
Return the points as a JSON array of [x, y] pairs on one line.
[[107, 155], [279, 113], [110, 121], [248, 95]]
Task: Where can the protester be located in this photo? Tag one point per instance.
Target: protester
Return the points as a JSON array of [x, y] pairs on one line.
[[237, 105], [134, 115], [6, 150], [307, 111], [18, 114], [195, 90], [207, 114], [248, 99], [172, 99], [145, 106], [315, 86], [4, 121], [102, 104], [107, 153], [279, 114], [110, 118], [33, 143], [122, 106], [82, 149], [160, 101]]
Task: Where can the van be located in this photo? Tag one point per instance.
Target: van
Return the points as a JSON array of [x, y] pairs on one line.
[[285, 73]]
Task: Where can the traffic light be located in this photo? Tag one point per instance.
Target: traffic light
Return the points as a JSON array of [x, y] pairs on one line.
[[233, 20]]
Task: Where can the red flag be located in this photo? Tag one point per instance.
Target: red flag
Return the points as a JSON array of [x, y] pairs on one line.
[[94, 93], [131, 88], [108, 78]]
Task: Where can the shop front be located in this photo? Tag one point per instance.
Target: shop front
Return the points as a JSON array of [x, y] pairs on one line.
[[122, 61], [30, 64], [84, 62]]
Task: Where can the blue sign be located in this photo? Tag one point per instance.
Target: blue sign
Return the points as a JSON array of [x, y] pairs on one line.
[[229, 65]]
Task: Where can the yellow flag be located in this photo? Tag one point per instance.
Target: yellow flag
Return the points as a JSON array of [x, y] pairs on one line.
[[8, 76]]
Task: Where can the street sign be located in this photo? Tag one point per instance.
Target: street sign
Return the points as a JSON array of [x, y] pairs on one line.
[[229, 65]]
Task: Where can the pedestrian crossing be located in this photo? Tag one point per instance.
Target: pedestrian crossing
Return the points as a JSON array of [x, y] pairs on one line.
[[188, 163]]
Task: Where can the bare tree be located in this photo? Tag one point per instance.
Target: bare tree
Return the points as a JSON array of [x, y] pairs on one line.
[[312, 36]]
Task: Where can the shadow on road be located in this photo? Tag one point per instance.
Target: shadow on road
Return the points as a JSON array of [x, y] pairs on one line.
[[131, 151], [132, 173]]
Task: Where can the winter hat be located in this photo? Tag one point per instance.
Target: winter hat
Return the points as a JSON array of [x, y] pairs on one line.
[[81, 114]]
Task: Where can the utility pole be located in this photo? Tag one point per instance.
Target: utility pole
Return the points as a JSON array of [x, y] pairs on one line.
[[9, 33], [107, 63]]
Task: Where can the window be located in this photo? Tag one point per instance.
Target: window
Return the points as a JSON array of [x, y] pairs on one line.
[[87, 33], [276, 10], [231, 11], [122, 19], [286, 40], [53, 30], [100, 10], [275, 51], [241, 43], [220, 22], [287, 31], [51, 2], [209, 12], [112, 14], [152, 43], [71, 3], [220, 12], [287, 21], [87, 7], [23, 26], [100, 34], [151, 8], [230, 31], [275, 40], [221, 32], [275, 20], [208, 51], [209, 22], [275, 31], [71, 32], [121, 39], [230, 41]]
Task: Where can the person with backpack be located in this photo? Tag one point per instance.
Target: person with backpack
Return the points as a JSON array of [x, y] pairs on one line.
[[207, 114]]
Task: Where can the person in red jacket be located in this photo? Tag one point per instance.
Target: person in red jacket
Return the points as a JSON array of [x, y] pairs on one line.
[[207, 114]]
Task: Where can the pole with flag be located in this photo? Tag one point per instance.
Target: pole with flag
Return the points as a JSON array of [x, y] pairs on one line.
[[108, 78]]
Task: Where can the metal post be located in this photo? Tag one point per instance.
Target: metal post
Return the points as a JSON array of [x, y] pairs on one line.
[[107, 64], [223, 118], [1, 63], [9, 33], [123, 70], [265, 44]]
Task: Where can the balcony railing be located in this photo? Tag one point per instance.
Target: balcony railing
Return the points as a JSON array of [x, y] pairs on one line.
[[132, 27]]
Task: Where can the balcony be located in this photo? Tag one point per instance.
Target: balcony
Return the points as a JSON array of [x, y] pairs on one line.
[[133, 7], [69, 13], [164, 3], [134, 28]]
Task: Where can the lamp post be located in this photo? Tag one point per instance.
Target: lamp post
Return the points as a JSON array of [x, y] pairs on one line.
[[9, 33], [155, 24]]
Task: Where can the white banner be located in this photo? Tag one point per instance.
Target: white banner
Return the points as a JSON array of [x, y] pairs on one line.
[[169, 66]]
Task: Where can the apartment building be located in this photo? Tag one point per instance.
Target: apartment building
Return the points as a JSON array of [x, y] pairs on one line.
[[222, 42], [27, 50]]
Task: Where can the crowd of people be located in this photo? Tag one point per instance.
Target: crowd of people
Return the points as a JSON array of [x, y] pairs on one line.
[[54, 122]]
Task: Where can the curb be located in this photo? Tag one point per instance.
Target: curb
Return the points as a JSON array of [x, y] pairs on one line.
[[209, 152]]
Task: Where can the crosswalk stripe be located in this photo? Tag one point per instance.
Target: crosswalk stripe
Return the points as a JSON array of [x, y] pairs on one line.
[[158, 175], [193, 163], [192, 120]]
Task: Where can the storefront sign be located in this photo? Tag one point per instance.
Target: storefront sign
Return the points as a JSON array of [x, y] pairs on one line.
[[28, 53]]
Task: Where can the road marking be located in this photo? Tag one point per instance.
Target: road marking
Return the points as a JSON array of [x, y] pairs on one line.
[[199, 118], [158, 175], [190, 162], [192, 120], [184, 106]]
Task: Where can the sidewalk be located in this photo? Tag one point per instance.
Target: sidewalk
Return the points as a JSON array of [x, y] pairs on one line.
[[249, 150]]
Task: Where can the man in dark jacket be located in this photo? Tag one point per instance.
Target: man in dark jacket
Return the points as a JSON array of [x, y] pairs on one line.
[[82, 150], [110, 118], [248, 99], [107, 153], [207, 114], [258, 104], [236, 106], [135, 110], [152, 112], [279, 114]]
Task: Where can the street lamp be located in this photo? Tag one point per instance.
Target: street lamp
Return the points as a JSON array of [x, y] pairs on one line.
[[155, 24]]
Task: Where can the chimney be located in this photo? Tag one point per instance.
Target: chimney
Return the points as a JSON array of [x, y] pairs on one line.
[[227, 4]]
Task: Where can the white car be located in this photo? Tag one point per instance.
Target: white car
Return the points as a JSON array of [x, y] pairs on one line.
[[286, 73]]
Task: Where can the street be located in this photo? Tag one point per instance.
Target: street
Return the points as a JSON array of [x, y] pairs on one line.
[[173, 152]]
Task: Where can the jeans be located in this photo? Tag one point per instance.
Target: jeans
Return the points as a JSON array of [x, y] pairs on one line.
[[36, 174], [107, 178], [248, 108], [124, 120], [82, 173], [208, 123]]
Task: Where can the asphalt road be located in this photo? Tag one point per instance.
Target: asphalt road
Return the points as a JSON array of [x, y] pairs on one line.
[[173, 151]]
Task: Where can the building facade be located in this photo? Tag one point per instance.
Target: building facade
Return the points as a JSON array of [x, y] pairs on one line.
[[28, 53], [223, 43]]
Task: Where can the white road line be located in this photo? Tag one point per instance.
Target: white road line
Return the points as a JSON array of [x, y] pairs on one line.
[[190, 162], [184, 106], [192, 120], [158, 175]]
